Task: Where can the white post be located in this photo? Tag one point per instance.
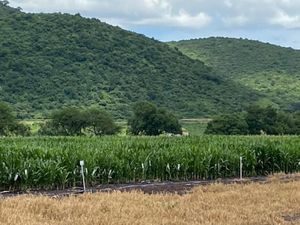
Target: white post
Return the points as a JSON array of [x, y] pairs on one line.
[[241, 168], [82, 173]]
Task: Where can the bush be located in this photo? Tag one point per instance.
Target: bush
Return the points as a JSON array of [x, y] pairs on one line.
[[49, 129], [150, 120], [20, 129]]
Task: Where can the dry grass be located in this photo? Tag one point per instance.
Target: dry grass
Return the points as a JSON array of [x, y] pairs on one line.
[[256, 204]]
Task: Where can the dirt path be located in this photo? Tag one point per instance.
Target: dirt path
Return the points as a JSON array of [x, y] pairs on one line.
[[181, 188]]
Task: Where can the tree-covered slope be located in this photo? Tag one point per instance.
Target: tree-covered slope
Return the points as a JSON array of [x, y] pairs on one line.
[[271, 70], [48, 61]]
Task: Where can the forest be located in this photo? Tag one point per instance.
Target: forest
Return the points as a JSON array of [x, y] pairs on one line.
[[271, 71], [86, 62]]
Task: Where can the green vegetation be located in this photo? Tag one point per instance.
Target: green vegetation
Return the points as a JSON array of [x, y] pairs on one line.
[[8, 123], [50, 163], [6, 119], [194, 127], [75, 122], [233, 124], [257, 120], [150, 120], [52, 61], [270, 70], [33, 125]]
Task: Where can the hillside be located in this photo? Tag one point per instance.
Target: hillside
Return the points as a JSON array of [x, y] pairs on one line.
[[271, 70], [48, 61]]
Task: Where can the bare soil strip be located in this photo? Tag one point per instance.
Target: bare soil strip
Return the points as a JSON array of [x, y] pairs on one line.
[[178, 187]]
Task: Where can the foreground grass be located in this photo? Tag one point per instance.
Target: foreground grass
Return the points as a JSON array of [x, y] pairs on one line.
[[273, 203]]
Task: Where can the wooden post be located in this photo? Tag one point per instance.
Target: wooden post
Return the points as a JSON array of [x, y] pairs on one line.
[[241, 168], [82, 174]]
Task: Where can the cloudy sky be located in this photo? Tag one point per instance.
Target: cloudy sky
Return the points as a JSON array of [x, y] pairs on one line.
[[274, 21]]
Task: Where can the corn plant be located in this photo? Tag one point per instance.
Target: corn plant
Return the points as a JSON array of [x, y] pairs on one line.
[[53, 162]]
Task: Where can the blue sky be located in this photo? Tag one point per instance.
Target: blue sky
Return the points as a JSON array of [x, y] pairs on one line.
[[273, 21]]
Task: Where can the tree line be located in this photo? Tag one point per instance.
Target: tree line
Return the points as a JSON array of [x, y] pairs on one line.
[[147, 119], [256, 120]]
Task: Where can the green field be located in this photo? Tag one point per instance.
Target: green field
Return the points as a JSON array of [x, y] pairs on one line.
[[50, 163], [194, 127]]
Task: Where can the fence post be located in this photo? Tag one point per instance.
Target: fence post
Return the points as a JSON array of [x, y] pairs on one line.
[[241, 168], [82, 174]]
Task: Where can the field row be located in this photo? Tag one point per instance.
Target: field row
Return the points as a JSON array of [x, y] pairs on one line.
[[50, 163]]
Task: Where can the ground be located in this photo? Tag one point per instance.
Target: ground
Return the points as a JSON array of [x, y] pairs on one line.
[[276, 201]]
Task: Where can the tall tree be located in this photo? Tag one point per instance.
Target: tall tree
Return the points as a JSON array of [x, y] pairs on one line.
[[100, 122], [150, 120], [233, 124], [73, 121], [70, 121], [261, 119]]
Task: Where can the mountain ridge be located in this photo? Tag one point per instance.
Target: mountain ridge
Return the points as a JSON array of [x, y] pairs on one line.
[[50, 61], [268, 69]]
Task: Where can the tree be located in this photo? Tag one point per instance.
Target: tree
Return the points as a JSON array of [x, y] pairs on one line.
[[295, 124], [20, 129], [150, 120], [8, 123], [6, 119], [4, 2], [168, 122], [50, 129], [228, 125], [256, 120], [100, 122], [68, 121], [74, 122], [261, 119]]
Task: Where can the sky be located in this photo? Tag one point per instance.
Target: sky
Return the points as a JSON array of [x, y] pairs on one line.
[[273, 21]]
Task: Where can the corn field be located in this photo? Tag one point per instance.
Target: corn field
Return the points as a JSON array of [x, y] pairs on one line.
[[53, 163]]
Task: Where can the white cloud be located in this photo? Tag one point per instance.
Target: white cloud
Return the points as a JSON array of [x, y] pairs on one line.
[[180, 13], [285, 20], [53, 5], [126, 12], [157, 3], [215, 17], [228, 3], [182, 19], [235, 21]]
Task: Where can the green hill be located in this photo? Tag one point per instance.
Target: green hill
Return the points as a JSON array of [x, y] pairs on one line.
[[48, 61], [271, 70]]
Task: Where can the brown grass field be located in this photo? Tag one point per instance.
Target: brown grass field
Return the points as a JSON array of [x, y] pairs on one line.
[[276, 202]]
